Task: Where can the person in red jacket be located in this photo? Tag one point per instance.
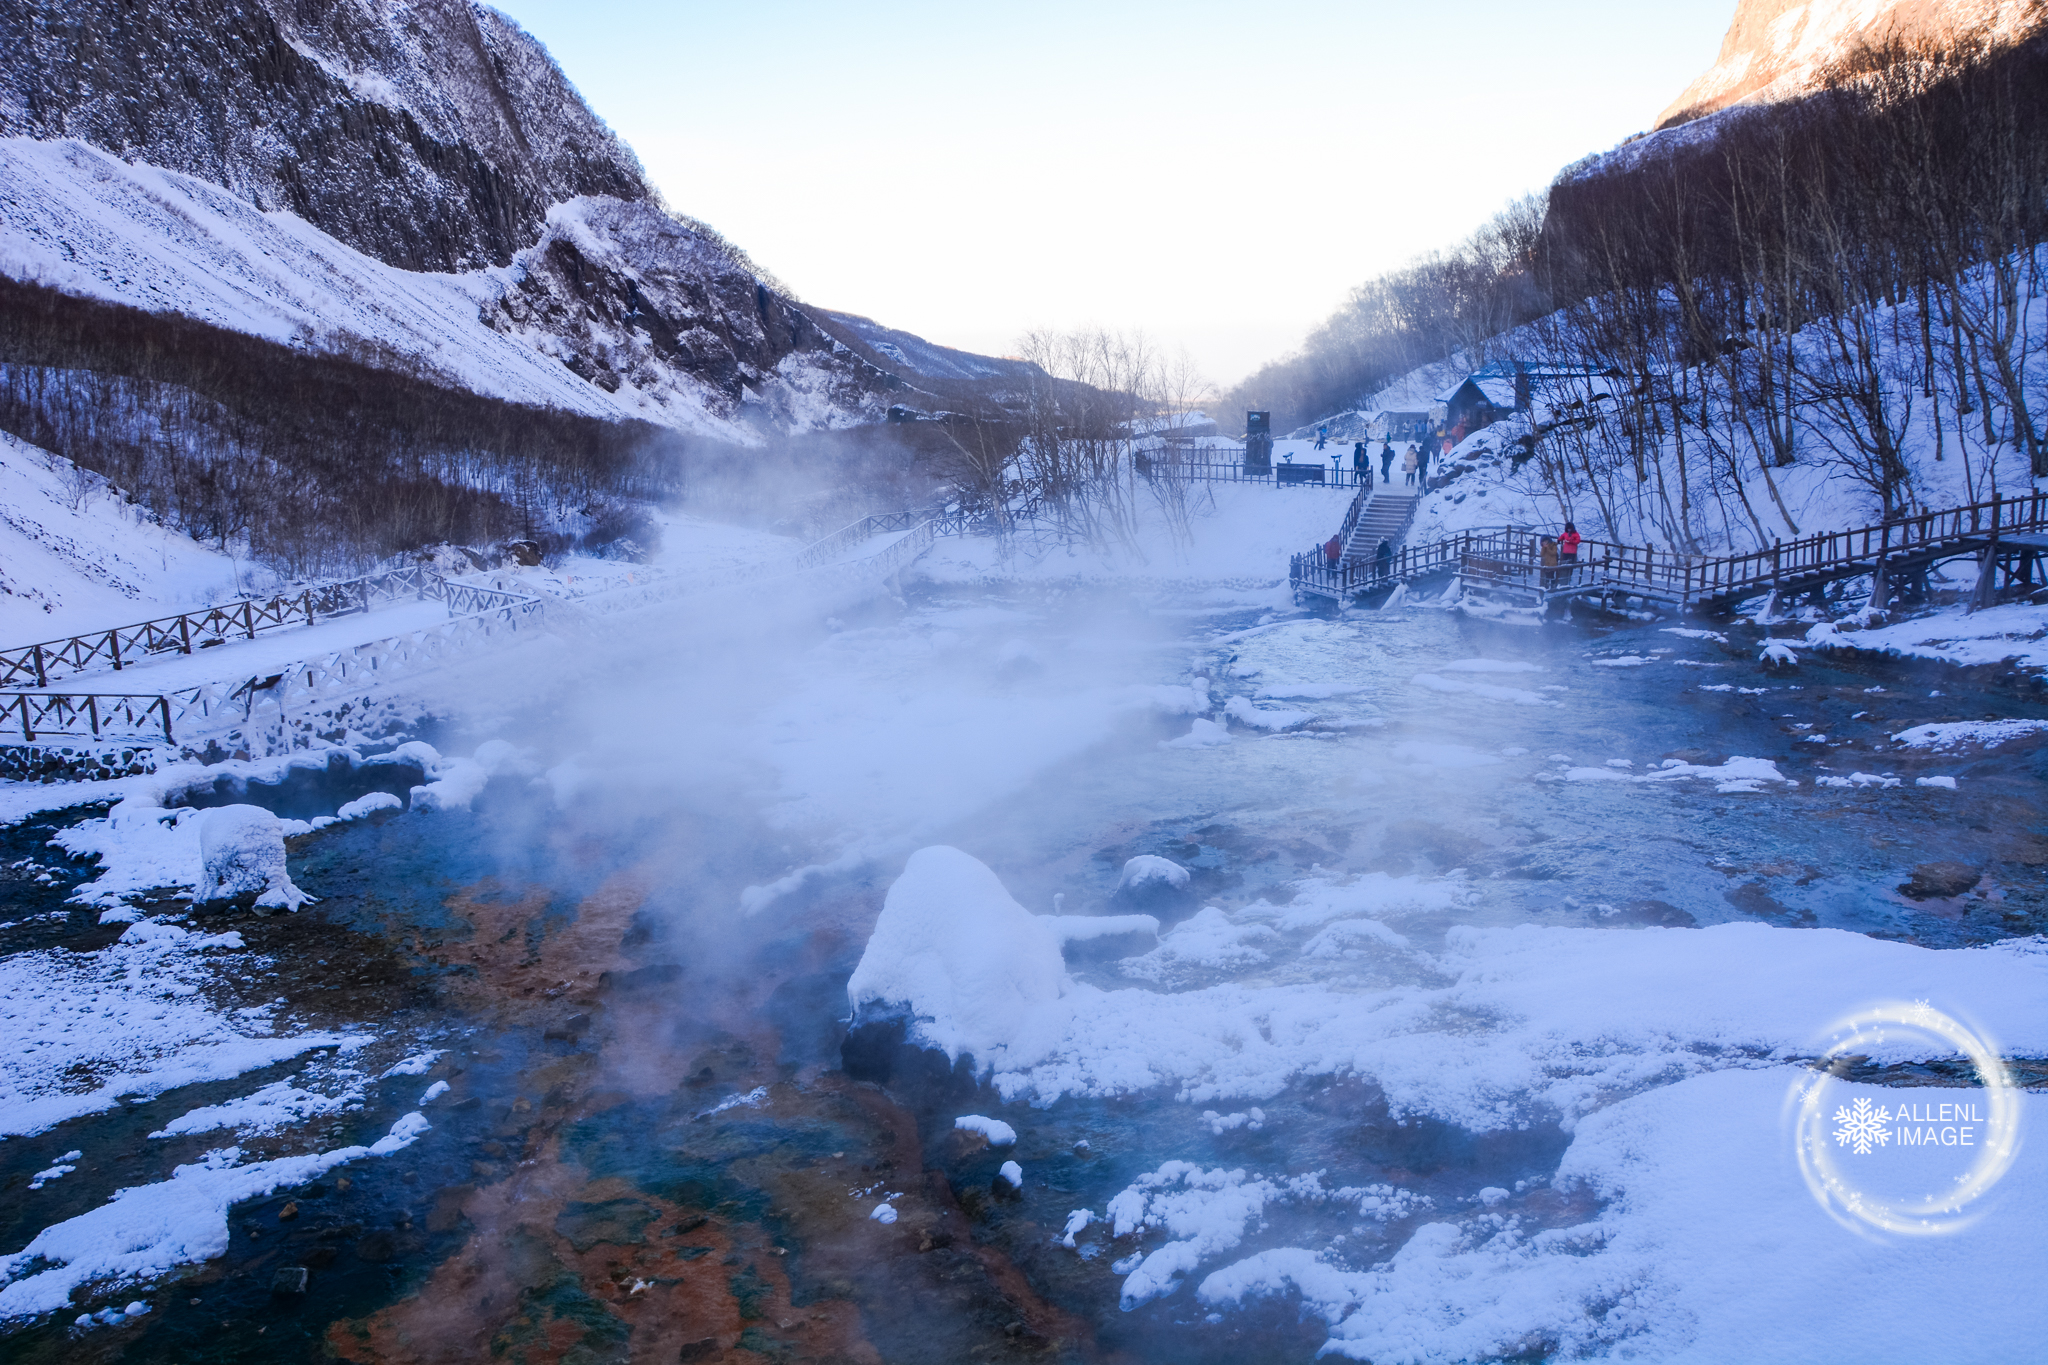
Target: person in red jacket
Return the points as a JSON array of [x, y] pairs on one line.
[[1568, 550], [1333, 550]]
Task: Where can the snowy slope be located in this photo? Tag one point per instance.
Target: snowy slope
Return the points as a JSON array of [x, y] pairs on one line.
[[913, 353], [75, 557], [617, 311], [90, 224]]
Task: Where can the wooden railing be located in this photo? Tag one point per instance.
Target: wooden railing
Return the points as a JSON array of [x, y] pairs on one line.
[[1511, 555], [184, 711], [124, 646]]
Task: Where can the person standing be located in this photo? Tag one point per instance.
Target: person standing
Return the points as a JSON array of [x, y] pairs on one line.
[[1548, 554], [1322, 437], [1568, 549], [1408, 463], [1333, 550], [1422, 465], [1358, 463], [1387, 461], [1383, 559]]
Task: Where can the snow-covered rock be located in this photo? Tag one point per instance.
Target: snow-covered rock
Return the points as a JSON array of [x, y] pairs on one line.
[[998, 1133], [956, 955], [1148, 869], [241, 849]]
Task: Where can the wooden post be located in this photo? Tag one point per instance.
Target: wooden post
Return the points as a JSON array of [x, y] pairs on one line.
[[26, 733], [1986, 592], [114, 648], [92, 709], [164, 705], [41, 680], [184, 633], [248, 625], [307, 598]]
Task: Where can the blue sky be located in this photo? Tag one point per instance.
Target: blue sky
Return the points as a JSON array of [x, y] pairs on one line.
[[1217, 175]]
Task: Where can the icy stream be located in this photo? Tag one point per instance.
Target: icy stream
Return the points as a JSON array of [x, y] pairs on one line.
[[1466, 1036]]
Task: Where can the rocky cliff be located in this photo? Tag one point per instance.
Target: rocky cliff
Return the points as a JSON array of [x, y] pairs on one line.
[[434, 137], [1774, 49]]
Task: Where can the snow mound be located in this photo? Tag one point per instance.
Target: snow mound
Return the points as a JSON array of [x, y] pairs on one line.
[[241, 849], [1985, 734], [958, 955], [1148, 868], [998, 1133], [1203, 734]]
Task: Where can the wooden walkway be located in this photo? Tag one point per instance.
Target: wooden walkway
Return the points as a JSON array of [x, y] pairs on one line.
[[2006, 535]]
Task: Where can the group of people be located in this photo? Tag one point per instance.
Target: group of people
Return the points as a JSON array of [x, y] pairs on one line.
[[1559, 555], [1414, 456]]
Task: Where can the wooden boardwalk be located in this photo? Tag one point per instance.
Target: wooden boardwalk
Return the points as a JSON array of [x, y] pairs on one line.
[[2007, 536]]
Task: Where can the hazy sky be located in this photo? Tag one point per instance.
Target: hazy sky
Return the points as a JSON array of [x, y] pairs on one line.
[[1218, 176]]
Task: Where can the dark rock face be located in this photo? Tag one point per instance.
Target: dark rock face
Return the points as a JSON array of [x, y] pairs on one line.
[[625, 295], [432, 135]]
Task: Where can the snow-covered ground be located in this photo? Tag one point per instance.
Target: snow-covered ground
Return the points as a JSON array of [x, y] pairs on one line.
[[2016, 633], [1669, 1057], [75, 558]]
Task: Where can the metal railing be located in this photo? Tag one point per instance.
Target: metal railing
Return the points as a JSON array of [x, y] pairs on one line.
[[1222, 464]]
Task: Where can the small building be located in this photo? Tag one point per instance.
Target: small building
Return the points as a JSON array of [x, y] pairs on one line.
[[1475, 402], [1505, 387]]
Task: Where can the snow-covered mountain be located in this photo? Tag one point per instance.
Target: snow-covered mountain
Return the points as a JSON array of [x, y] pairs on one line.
[[432, 135], [416, 186], [1775, 48]]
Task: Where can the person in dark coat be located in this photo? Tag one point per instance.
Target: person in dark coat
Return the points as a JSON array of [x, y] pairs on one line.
[[1358, 460], [1383, 559], [1387, 461], [1422, 464], [1322, 436]]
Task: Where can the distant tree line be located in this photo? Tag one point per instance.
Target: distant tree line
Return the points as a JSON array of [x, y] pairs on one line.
[[1773, 256], [314, 463], [1843, 276]]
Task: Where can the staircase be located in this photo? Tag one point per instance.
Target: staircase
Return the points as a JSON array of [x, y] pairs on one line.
[[1385, 517]]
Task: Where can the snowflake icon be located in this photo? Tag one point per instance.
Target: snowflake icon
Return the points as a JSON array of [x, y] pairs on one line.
[[1862, 1126]]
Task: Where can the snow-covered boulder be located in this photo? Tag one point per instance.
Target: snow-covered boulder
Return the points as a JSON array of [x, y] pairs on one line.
[[955, 957], [1148, 869], [998, 1133], [1156, 885], [241, 849]]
